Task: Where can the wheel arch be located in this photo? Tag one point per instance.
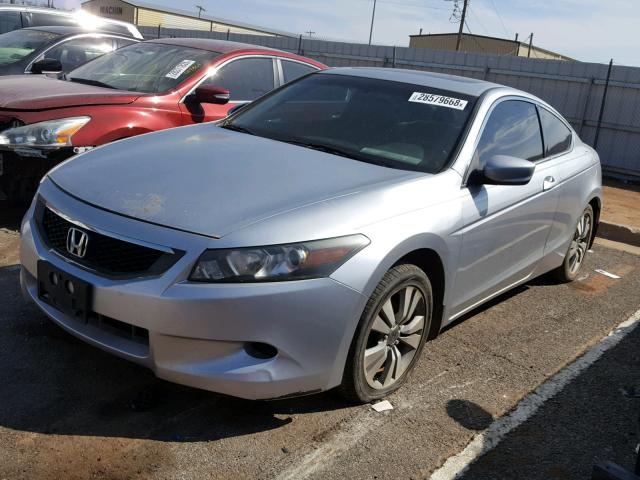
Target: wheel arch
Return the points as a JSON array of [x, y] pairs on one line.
[[430, 253]]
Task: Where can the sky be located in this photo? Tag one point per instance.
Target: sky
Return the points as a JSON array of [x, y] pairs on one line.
[[587, 30]]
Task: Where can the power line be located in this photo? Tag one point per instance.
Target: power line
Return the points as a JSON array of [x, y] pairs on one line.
[[479, 22], [495, 9], [409, 4]]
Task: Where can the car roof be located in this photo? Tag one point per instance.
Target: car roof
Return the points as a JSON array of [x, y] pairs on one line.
[[219, 46], [66, 30], [464, 85]]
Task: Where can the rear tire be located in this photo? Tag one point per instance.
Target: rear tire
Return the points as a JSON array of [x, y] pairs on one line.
[[580, 242], [391, 335]]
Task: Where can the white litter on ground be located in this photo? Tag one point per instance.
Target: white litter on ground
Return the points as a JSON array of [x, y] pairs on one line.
[[482, 443], [382, 406], [607, 274]]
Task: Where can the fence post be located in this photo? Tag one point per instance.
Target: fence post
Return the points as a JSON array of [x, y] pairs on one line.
[[300, 45], [583, 120], [604, 102], [158, 31], [228, 33], [393, 64]]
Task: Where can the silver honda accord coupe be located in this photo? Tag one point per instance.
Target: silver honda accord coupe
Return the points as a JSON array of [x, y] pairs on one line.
[[316, 238]]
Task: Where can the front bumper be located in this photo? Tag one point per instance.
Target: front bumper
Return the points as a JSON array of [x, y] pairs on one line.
[[20, 175], [198, 333]]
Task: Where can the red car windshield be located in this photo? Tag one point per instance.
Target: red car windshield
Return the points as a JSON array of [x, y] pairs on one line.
[[144, 67]]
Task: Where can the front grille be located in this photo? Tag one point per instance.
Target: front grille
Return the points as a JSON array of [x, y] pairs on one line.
[[120, 329], [105, 254]]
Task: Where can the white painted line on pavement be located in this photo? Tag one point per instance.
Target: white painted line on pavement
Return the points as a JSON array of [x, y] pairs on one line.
[[455, 466]]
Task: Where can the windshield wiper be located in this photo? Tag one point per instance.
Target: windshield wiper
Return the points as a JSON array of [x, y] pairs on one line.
[[237, 128], [321, 147], [88, 81]]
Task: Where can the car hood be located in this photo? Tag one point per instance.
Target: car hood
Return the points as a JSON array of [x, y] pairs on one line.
[[211, 181], [38, 92]]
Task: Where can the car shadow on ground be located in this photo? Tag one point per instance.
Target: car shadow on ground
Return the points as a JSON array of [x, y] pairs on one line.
[[11, 215], [53, 383]]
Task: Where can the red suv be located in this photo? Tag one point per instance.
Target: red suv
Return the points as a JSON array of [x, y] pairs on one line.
[[138, 89]]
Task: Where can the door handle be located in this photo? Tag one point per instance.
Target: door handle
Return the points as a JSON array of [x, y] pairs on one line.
[[548, 183]]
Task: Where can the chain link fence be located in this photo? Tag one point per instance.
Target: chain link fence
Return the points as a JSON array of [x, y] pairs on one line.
[[575, 89]]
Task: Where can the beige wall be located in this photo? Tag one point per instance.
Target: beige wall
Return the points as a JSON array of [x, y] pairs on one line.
[[468, 44], [493, 46], [111, 9]]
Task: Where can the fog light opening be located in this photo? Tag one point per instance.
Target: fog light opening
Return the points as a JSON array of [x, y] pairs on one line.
[[260, 350]]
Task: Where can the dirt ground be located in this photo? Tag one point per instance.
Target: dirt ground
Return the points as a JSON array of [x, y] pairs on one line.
[[621, 203]]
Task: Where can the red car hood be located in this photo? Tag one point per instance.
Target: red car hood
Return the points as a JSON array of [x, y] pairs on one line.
[[37, 92]]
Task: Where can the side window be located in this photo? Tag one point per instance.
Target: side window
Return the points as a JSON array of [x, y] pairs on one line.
[[557, 137], [512, 129], [10, 21], [246, 78], [37, 19], [293, 70], [79, 51]]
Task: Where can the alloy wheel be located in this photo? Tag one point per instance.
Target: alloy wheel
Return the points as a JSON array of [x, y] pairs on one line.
[[394, 337], [580, 242]]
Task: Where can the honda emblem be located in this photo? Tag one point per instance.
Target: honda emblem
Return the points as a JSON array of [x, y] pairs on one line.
[[77, 242]]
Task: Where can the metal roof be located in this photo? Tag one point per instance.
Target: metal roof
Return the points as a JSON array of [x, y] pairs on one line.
[[186, 13], [464, 85]]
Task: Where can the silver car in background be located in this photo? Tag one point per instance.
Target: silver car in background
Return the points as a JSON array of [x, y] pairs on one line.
[[316, 238]]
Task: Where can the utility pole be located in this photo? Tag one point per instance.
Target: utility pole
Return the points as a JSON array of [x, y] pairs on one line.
[[200, 10], [373, 16], [530, 45], [310, 32], [464, 14]]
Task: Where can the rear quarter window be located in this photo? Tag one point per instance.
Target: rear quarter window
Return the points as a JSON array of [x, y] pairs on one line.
[[292, 70], [557, 137]]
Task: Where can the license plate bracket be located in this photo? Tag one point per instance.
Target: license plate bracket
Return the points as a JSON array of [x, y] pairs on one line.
[[64, 292]]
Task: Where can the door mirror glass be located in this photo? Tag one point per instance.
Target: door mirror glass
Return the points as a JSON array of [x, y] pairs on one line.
[[506, 170], [46, 65], [212, 94]]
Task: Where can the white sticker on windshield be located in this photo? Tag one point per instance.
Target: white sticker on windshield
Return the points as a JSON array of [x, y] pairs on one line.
[[180, 69], [438, 100]]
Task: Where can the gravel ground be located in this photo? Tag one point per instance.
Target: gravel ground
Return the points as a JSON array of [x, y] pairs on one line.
[[70, 411]]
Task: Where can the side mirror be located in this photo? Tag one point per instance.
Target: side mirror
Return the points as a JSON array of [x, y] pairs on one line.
[[506, 170], [212, 94], [46, 65]]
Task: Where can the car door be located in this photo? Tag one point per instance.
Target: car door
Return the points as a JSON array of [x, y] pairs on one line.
[[77, 51], [505, 226], [571, 163], [246, 78]]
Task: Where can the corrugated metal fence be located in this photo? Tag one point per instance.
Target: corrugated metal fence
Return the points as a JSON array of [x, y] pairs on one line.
[[574, 88]]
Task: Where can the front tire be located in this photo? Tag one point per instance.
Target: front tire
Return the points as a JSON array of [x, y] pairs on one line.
[[574, 259], [391, 335]]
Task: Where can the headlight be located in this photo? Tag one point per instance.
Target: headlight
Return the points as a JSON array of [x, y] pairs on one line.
[[49, 134], [295, 261]]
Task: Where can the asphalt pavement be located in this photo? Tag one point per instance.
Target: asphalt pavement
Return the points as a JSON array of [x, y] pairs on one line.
[[70, 411]]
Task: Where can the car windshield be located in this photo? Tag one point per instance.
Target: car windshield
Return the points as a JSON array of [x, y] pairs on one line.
[[398, 125], [16, 45], [144, 67]]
